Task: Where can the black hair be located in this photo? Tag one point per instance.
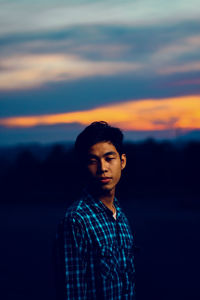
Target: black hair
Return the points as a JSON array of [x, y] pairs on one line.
[[98, 132]]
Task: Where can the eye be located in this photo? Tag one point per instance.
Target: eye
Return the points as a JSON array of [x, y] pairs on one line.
[[92, 161], [109, 158]]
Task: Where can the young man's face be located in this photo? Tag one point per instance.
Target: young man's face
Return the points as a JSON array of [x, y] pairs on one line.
[[104, 166]]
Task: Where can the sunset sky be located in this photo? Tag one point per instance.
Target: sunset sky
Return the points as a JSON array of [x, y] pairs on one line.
[[64, 64]]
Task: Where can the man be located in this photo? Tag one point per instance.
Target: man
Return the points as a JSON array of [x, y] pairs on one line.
[[96, 239]]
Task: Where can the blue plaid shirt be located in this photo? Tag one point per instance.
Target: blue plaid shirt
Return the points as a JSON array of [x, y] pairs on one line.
[[98, 256]]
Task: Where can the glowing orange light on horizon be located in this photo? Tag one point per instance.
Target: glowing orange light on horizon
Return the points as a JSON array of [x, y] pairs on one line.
[[141, 115]]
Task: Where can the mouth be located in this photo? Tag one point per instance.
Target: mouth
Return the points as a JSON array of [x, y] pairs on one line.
[[105, 180]]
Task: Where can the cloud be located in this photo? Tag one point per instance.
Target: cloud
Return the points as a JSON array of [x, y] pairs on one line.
[[183, 68], [42, 61], [177, 48], [195, 81], [21, 16], [153, 51], [27, 71], [143, 115], [107, 49]]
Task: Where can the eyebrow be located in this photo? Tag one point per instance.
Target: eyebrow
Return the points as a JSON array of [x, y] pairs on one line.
[[105, 154], [110, 153]]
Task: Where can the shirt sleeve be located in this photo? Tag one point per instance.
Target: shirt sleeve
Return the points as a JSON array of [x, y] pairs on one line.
[[75, 247]]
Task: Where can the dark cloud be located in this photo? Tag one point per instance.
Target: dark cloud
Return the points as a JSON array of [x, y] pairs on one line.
[[39, 134], [140, 40], [65, 133]]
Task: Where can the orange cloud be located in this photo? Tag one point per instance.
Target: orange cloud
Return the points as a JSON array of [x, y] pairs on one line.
[[148, 114]]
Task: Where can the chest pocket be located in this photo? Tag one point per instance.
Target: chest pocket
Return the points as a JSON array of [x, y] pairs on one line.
[[108, 262]]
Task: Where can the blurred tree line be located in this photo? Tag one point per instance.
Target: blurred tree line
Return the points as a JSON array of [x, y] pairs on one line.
[[155, 171]]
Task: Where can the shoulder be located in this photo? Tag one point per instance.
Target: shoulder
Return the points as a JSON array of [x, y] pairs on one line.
[[76, 213]]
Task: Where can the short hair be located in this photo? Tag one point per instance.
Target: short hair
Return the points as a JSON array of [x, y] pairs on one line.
[[98, 132]]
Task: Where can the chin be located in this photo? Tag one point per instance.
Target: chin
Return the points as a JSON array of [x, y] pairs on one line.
[[106, 188], [102, 188]]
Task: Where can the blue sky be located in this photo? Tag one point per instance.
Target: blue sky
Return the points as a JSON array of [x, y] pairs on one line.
[[59, 57]]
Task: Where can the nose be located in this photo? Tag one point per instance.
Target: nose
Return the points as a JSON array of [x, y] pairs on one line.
[[102, 166]]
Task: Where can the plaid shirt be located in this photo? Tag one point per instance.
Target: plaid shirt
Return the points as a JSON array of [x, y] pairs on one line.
[[98, 258]]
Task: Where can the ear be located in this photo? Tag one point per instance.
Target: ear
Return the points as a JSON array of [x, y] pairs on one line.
[[123, 161]]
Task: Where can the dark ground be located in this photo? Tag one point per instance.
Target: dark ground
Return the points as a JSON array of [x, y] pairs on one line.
[[167, 265], [37, 184]]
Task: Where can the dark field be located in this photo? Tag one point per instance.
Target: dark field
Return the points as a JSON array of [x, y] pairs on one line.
[[167, 264], [162, 181]]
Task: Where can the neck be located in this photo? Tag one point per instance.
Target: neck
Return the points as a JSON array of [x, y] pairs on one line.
[[107, 197]]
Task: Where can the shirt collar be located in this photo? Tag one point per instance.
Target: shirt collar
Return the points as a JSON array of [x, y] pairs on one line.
[[99, 206]]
